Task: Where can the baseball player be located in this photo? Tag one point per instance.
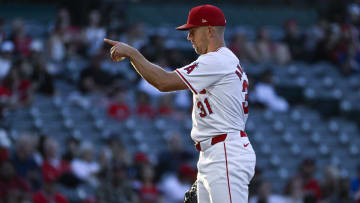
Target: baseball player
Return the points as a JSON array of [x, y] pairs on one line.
[[220, 107]]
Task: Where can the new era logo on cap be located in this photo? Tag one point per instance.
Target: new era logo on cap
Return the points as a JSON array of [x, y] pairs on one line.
[[205, 15]]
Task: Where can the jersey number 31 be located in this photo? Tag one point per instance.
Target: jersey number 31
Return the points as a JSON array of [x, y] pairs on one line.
[[200, 105]]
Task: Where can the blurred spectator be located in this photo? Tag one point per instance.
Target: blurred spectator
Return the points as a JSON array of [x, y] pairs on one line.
[[120, 156], [144, 108], [116, 187], [52, 164], [66, 43], [175, 155], [148, 191], [346, 51], [294, 192], [43, 81], [93, 78], [175, 186], [295, 40], [268, 51], [85, 166], [20, 38], [104, 162], [13, 188], [343, 193], [327, 43], [155, 48], [71, 32], [23, 158], [310, 184], [6, 54], [57, 49], [72, 149], [314, 35], [117, 13], [355, 185], [49, 192], [24, 90], [68, 178], [242, 48], [63, 18], [175, 58], [330, 183], [94, 33], [118, 107], [7, 87], [264, 194], [134, 36], [264, 93], [166, 107]]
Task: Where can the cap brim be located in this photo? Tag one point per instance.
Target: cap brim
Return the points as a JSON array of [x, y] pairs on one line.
[[186, 27]]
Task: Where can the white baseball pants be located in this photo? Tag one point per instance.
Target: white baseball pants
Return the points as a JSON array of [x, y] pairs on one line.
[[225, 170]]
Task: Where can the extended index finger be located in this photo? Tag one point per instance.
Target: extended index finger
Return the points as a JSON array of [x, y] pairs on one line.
[[111, 42]]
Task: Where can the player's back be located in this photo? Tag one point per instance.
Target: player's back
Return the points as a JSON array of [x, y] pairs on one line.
[[220, 94]]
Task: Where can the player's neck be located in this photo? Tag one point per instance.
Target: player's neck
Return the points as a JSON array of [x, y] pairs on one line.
[[217, 44]]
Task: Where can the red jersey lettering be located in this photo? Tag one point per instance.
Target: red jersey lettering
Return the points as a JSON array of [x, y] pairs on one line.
[[189, 69]]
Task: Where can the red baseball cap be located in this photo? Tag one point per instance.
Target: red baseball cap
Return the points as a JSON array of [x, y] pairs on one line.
[[204, 15]]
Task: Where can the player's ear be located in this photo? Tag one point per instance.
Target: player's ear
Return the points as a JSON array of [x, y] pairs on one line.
[[211, 31]]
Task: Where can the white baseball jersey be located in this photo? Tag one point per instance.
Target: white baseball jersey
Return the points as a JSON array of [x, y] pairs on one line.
[[220, 88]]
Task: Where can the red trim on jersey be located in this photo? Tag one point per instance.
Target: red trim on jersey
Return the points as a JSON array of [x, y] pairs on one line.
[[239, 75], [218, 138], [187, 82], [227, 172], [203, 91], [240, 69]]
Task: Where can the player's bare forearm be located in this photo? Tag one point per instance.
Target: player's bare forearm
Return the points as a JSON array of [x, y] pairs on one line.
[[152, 73], [162, 80]]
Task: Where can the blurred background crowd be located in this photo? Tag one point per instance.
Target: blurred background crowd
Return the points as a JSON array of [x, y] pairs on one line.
[[77, 127]]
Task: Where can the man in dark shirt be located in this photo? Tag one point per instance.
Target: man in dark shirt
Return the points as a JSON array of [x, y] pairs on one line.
[[93, 78], [116, 187], [24, 162], [12, 187], [295, 40]]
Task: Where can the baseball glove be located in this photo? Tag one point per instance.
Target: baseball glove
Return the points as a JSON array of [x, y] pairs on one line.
[[190, 195]]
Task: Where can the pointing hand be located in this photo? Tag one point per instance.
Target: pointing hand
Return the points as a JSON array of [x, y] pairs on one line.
[[118, 51]]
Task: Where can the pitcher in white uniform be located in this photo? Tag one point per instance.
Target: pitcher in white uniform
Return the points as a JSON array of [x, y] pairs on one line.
[[220, 105]]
